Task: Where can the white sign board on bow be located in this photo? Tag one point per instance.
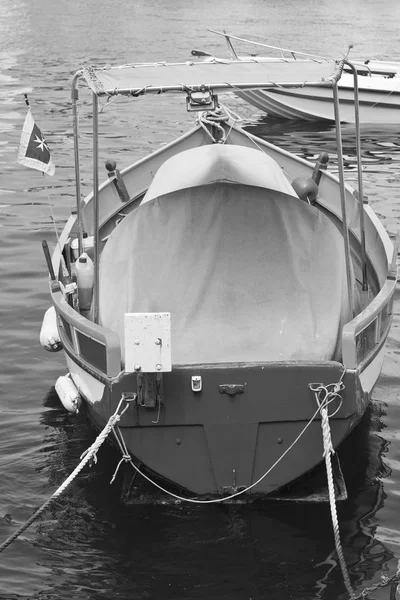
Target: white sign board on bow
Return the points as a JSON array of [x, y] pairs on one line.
[[148, 342]]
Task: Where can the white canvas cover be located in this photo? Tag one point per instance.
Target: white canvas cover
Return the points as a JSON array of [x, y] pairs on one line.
[[181, 77], [218, 163], [247, 273]]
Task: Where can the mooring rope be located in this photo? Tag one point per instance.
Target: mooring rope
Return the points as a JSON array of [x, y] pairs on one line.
[[85, 458], [325, 395]]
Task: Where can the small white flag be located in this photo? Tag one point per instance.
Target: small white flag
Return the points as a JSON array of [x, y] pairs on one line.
[[33, 149]]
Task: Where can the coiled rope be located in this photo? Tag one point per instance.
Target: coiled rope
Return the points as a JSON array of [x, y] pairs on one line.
[[214, 118], [86, 457]]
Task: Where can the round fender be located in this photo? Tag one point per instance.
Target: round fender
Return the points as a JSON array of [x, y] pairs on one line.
[[68, 393], [306, 189], [49, 338]]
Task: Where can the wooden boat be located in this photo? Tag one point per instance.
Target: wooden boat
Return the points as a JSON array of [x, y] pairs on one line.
[[235, 288], [378, 90]]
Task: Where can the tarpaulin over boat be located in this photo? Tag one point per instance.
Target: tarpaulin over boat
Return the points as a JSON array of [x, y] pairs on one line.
[[248, 273], [218, 75], [211, 164]]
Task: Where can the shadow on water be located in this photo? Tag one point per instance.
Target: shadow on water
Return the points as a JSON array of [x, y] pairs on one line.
[[99, 545]]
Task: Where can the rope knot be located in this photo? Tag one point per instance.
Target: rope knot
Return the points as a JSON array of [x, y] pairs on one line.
[[215, 118], [125, 458]]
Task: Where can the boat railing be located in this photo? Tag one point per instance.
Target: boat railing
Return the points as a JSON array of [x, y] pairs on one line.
[[97, 347], [364, 336]]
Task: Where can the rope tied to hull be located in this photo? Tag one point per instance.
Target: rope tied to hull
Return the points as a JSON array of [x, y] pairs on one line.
[[324, 396], [214, 118], [324, 399], [89, 454]]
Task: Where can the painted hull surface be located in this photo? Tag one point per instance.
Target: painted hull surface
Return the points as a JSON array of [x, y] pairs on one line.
[[378, 101], [213, 444], [254, 422]]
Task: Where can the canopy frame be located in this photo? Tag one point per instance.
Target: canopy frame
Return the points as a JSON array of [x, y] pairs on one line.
[[208, 91]]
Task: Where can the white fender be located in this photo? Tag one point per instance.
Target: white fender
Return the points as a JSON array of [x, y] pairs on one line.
[[68, 393], [49, 338]]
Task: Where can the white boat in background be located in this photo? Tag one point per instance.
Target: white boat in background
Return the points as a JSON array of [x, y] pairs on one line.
[[239, 291], [378, 90]]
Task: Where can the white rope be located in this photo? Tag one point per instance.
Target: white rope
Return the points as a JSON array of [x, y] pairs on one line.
[[86, 456], [214, 118], [324, 395]]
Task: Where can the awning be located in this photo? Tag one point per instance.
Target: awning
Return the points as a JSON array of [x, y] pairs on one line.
[[216, 75]]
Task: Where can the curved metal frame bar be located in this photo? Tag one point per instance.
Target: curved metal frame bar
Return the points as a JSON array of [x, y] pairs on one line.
[[343, 197], [360, 182], [74, 96], [96, 207]]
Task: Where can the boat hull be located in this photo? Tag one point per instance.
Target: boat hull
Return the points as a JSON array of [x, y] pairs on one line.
[[376, 105], [245, 420], [215, 442]]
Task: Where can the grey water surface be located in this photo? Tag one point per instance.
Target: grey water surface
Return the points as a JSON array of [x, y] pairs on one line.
[[91, 544]]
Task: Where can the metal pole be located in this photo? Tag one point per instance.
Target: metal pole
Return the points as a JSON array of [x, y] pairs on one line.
[[74, 96], [96, 207], [360, 181], [343, 197]]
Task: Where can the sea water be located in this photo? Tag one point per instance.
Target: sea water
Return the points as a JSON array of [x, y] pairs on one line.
[[91, 543]]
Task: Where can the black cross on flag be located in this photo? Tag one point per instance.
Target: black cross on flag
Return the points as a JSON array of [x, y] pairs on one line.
[[33, 149]]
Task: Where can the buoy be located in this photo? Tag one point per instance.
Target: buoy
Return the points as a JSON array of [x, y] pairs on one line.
[[306, 189], [49, 337], [68, 393]]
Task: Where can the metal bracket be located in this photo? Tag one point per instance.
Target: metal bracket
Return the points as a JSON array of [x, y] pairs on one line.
[[149, 389], [147, 342], [201, 98], [231, 388], [130, 397]]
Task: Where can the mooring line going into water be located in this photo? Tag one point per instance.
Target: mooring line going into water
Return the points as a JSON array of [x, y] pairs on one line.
[[86, 456], [324, 395]]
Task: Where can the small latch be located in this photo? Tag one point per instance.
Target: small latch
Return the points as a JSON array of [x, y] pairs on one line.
[[197, 383], [231, 388]]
